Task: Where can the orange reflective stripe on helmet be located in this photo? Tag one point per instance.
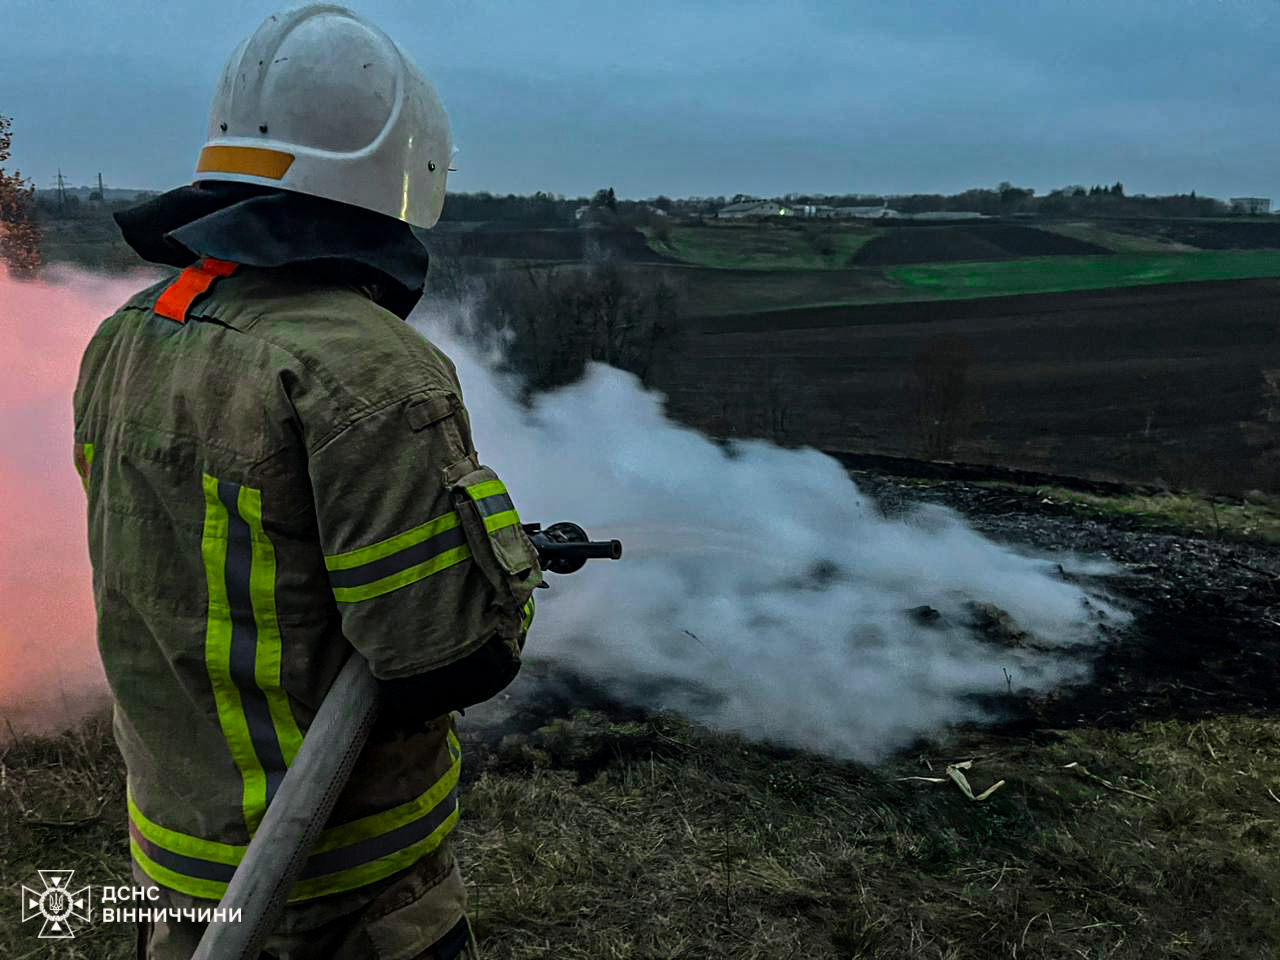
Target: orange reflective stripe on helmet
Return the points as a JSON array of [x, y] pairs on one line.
[[191, 283]]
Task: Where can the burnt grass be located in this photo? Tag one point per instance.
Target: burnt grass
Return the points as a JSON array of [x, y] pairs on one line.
[[1205, 639]]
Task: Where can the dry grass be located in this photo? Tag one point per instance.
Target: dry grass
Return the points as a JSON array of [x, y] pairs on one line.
[[598, 839], [1255, 517], [62, 808], [686, 845]]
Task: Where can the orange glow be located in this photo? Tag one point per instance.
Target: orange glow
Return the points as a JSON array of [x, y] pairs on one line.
[[50, 674]]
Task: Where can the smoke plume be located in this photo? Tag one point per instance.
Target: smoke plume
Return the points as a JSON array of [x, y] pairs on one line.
[[760, 591]]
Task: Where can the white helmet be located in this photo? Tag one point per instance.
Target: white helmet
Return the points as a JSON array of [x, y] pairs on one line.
[[322, 102]]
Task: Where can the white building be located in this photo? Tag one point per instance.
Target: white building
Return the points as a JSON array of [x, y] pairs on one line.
[[754, 208], [948, 215], [1252, 205], [815, 210], [868, 213]]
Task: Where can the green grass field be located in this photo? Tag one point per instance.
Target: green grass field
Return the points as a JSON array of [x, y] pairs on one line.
[[1057, 274], [776, 266]]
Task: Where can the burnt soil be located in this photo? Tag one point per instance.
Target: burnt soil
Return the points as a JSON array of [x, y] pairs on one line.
[[1205, 637]]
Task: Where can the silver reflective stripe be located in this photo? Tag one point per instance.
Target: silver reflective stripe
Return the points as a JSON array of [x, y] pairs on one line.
[[321, 864], [495, 503], [383, 845], [411, 556], [181, 863], [244, 641]]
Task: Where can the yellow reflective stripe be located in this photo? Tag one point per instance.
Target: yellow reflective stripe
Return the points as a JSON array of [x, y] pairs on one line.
[[500, 521], [487, 489], [379, 823], [528, 614], [192, 886], [385, 548], [88, 465], [336, 838], [377, 870], [402, 579], [249, 161], [267, 665], [181, 842], [217, 655], [83, 455]]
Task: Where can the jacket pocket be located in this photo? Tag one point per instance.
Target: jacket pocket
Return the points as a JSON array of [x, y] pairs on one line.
[[492, 527]]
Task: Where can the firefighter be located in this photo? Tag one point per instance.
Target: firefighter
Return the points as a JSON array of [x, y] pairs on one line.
[[281, 470]]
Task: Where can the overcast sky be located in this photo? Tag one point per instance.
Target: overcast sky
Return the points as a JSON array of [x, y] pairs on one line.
[[709, 97]]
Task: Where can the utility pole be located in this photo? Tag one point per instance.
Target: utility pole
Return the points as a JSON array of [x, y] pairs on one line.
[[62, 190], [101, 196]]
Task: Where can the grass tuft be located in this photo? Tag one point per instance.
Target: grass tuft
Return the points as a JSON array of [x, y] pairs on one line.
[[1255, 517]]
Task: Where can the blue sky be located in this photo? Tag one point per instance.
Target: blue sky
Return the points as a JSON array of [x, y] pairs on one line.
[[708, 96]]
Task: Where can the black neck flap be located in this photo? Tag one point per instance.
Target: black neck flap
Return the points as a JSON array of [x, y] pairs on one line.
[[266, 227]]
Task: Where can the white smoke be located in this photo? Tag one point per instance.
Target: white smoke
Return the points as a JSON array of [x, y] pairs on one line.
[[760, 591]]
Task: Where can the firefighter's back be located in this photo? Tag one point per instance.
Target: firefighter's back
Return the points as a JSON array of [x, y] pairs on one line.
[[217, 622]]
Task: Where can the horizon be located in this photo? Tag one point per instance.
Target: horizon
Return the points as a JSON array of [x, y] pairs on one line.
[[728, 197]]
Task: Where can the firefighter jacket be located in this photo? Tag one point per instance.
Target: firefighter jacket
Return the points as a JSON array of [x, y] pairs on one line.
[[278, 471]]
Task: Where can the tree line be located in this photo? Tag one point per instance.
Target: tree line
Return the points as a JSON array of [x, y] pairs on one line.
[[1004, 199]]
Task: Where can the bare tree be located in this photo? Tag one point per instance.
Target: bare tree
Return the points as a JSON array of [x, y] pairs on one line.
[[559, 319]]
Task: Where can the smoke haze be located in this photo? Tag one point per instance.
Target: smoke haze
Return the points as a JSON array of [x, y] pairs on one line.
[[760, 591], [50, 675]]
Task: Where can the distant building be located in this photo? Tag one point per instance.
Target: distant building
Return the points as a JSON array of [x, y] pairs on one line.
[[1252, 205], [814, 210], [948, 215], [868, 213], [754, 208]]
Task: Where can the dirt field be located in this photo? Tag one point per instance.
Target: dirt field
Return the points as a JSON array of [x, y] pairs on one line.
[[1164, 384], [1234, 233]]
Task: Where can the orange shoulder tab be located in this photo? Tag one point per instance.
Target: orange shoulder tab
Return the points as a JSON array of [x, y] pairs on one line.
[[191, 283]]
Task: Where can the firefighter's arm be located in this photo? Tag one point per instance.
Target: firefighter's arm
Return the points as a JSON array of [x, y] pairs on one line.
[[431, 573]]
